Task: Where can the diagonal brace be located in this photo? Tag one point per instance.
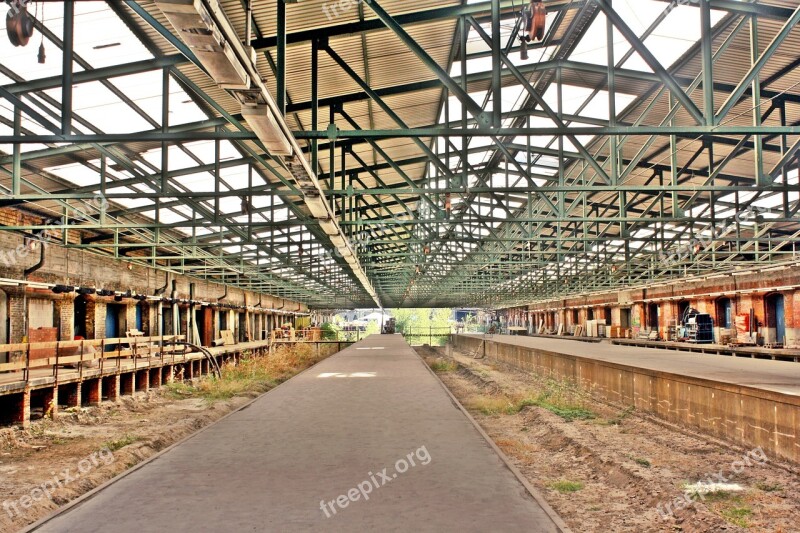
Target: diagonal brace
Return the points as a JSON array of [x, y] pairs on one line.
[[651, 60], [483, 118]]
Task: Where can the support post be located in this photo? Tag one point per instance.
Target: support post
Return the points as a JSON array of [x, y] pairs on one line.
[[66, 71], [497, 64], [280, 71]]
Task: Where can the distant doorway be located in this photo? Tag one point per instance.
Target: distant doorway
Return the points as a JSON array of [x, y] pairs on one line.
[[776, 317], [80, 315], [652, 316], [683, 306], [725, 313], [625, 318]]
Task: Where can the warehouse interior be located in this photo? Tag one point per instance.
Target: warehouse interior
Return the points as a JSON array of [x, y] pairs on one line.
[[208, 175]]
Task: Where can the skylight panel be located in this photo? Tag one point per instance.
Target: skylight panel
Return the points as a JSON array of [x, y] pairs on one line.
[[598, 106], [199, 182], [183, 110], [75, 173], [572, 97], [673, 37], [236, 177], [228, 205], [102, 39], [177, 158], [130, 203], [592, 47], [203, 150], [455, 106], [115, 117]]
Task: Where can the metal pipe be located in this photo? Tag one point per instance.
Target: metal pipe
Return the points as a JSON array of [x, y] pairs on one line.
[[37, 266]]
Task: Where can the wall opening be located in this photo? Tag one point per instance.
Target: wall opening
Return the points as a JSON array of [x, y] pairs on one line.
[[625, 317], [725, 313], [116, 322], [80, 317], [776, 318], [652, 316], [683, 306]]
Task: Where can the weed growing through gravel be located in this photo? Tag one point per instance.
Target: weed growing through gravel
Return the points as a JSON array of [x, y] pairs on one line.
[[732, 507], [737, 516], [555, 396], [251, 375], [118, 444], [561, 398], [566, 487], [441, 364], [769, 487]]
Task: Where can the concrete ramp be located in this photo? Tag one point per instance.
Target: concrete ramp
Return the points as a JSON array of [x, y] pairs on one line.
[[367, 440]]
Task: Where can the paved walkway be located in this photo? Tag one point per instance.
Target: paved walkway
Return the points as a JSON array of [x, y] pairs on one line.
[[778, 376], [344, 431]]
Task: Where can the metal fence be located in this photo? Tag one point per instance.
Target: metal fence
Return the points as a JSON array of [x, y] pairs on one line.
[[429, 336]]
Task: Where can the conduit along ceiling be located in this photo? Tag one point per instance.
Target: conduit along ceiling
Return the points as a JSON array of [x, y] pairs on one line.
[[405, 153]]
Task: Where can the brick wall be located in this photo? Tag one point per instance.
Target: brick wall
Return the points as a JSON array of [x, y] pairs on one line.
[[703, 295], [82, 268]]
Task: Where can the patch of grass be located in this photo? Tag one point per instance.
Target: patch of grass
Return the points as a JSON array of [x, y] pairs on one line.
[[490, 405], [118, 444], [570, 413], [769, 487], [443, 365], [642, 461], [562, 406], [566, 487], [514, 447], [250, 375], [737, 515]]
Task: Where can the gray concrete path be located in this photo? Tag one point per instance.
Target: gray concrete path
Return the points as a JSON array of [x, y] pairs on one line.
[[777, 376], [324, 434]]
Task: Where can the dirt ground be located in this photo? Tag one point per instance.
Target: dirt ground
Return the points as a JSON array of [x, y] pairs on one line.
[[58, 460], [619, 470], [130, 431]]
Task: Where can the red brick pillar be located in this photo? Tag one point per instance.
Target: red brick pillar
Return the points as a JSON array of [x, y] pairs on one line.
[[155, 377], [73, 398], [142, 381], [128, 384], [112, 387], [94, 393], [22, 413]]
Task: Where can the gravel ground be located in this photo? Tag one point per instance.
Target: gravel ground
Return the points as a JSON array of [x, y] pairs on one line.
[[622, 470]]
